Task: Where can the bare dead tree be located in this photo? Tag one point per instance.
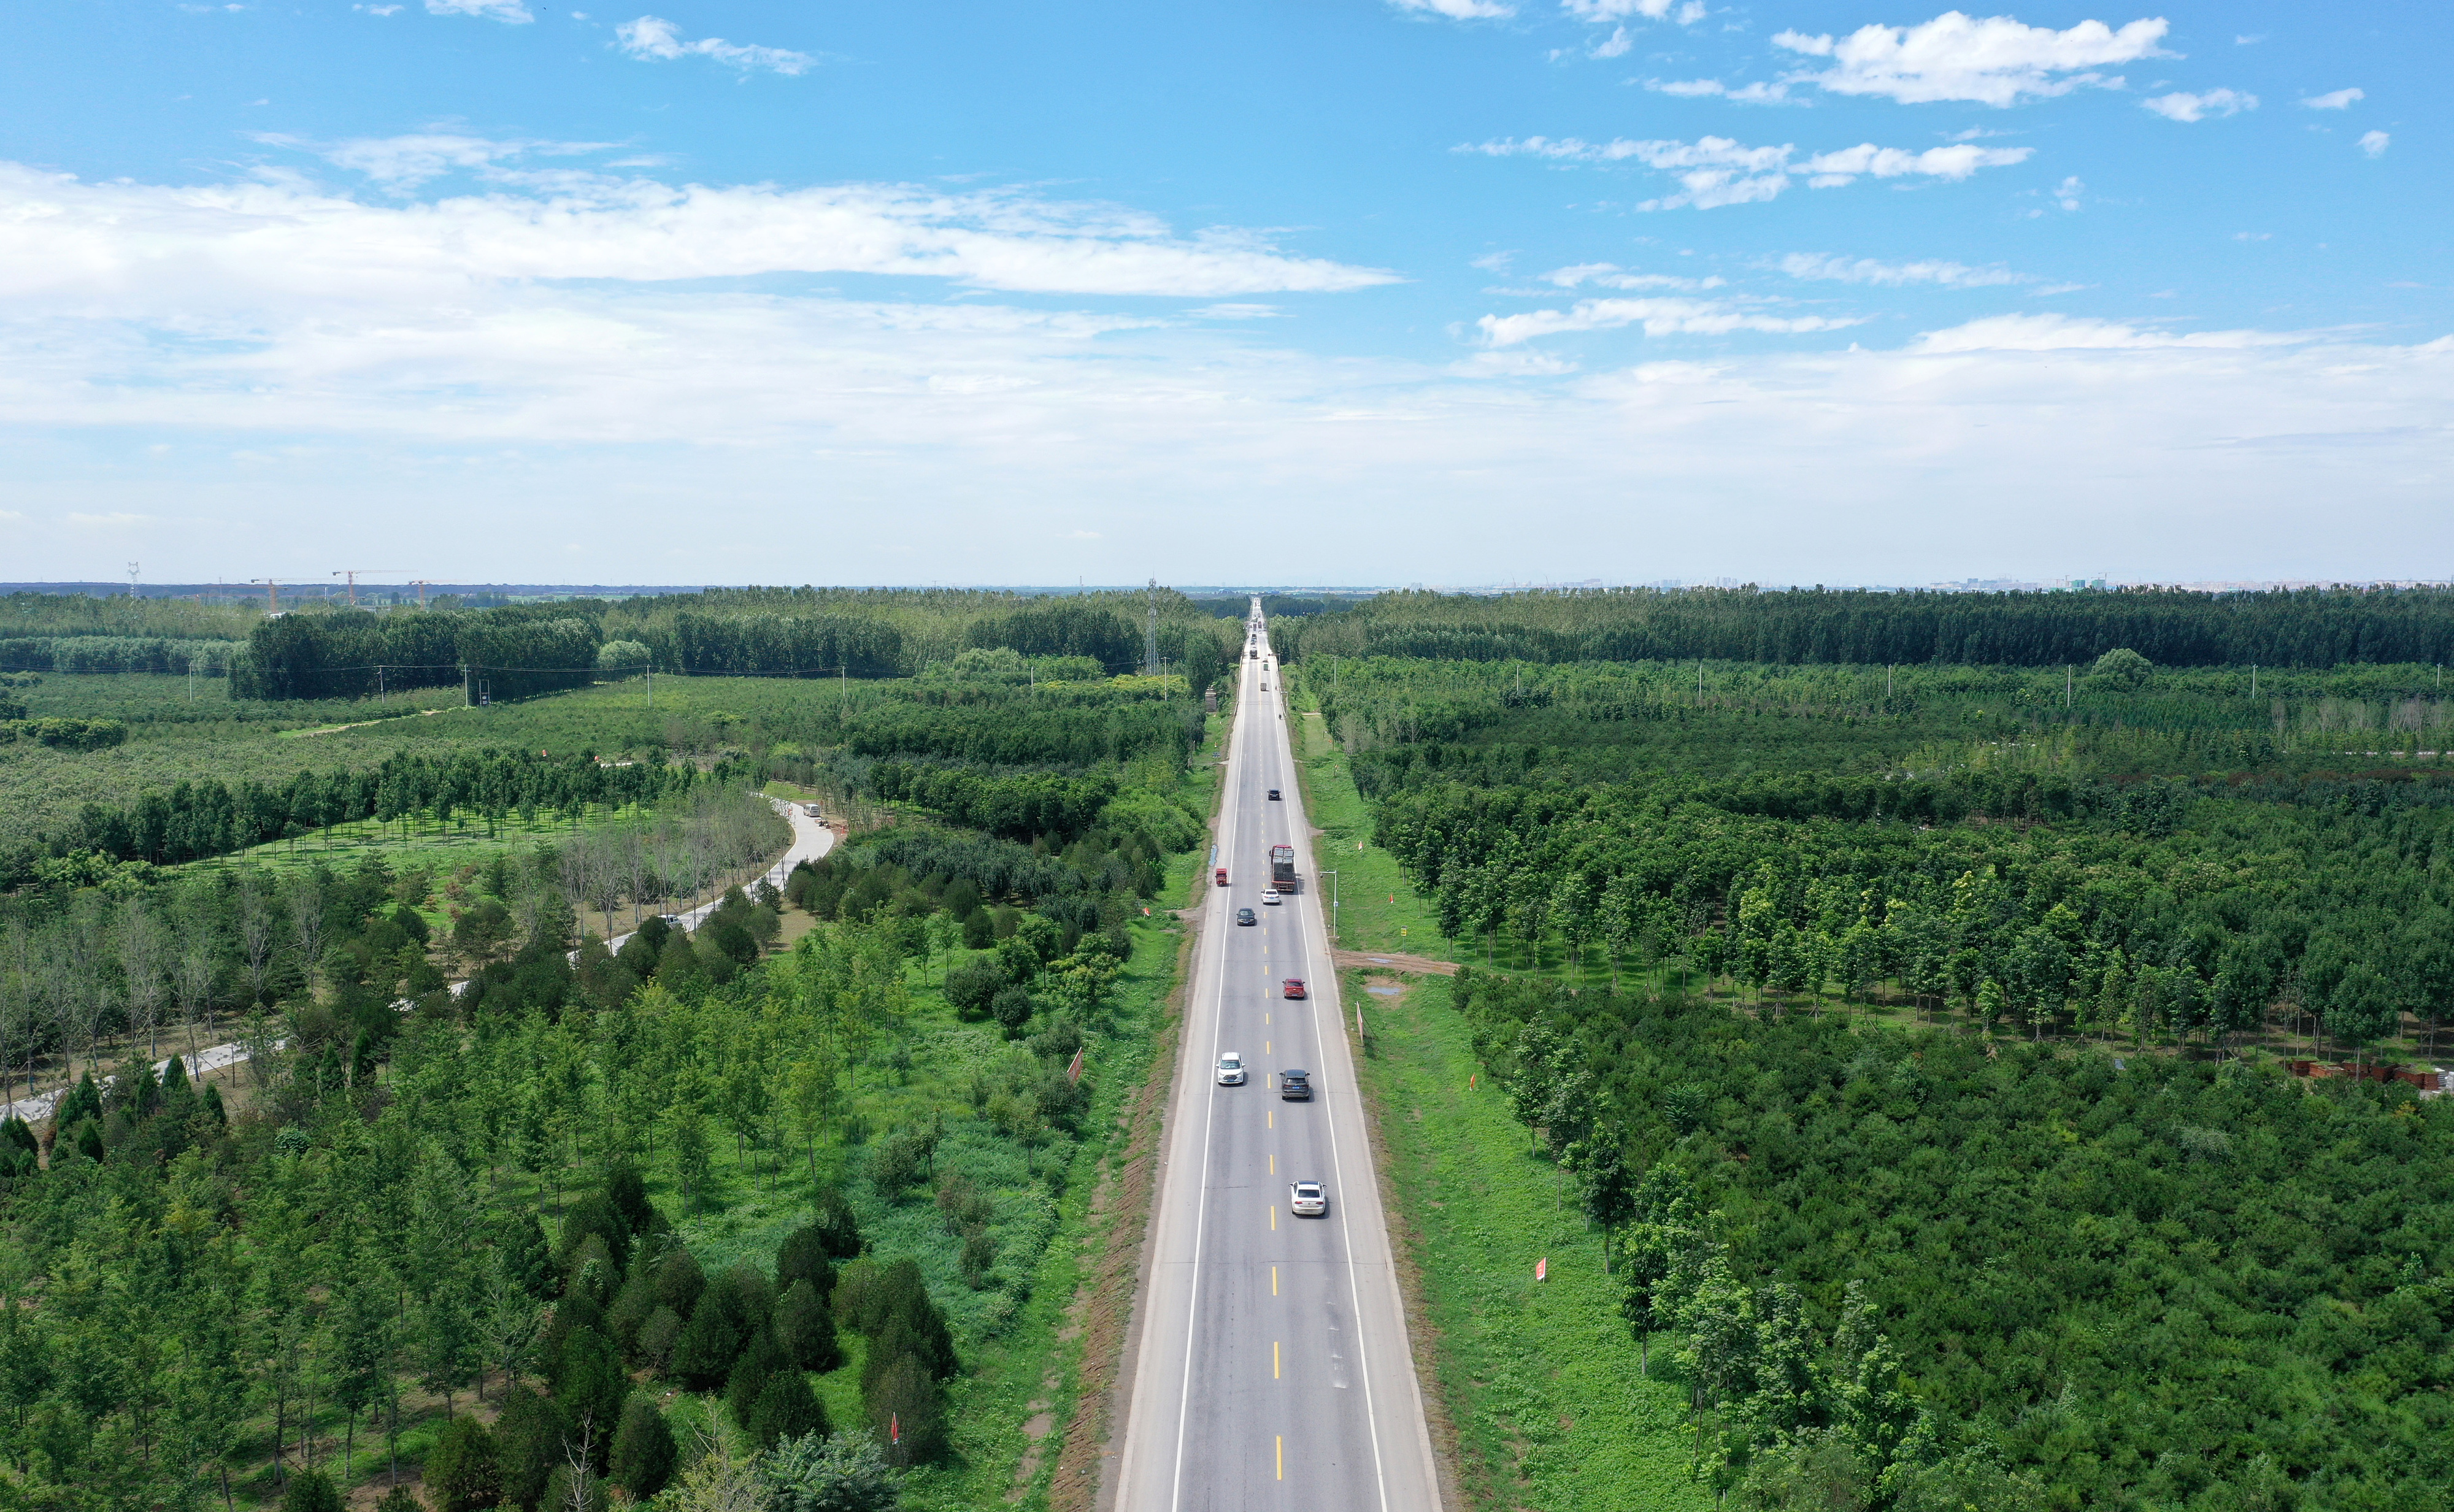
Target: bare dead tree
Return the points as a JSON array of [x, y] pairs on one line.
[[144, 963], [255, 934]]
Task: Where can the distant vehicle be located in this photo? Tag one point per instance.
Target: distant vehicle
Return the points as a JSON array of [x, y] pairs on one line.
[[809, 809], [1231, 1069], [1269, 897], [1252, 656], [1273, 795], [1292, 987], [1295, 1086], [1222, 877], [1245, 916], [1307, 1199]]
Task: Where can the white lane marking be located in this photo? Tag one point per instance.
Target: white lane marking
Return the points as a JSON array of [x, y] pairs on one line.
[[1345, 1233], [1209, 1121]]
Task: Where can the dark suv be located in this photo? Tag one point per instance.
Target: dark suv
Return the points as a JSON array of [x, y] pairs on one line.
[[1295, 1086]]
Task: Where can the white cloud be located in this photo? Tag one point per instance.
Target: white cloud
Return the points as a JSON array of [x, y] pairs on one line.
[[1240, 312], [1869, 271], [1995, 61], [67, 236], [651, 38], [404, 162], [1460, 9], [1686, 14], [1715, 171], [2078, 333], [2253, 235], [2374, 143], [1659, 317], [1493, 262], [1758, 92], [1614, 46], [512, 12], [2182, 107], [1609, 276], [2336, 100]]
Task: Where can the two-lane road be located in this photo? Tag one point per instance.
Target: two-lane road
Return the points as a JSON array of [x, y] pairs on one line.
[[1273, 1369]]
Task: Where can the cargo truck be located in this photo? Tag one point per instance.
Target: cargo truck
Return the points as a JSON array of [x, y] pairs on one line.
[[1283, 868]]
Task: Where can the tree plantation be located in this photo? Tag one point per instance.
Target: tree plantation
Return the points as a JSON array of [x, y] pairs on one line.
[[1929, 1041], [381, 1136]]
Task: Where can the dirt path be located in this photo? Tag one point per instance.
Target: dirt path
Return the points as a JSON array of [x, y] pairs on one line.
[[1421, 965]]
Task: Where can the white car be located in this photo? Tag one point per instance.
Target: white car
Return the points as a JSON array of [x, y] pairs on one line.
[[1231, 1069], [1269, 896], [1307, 1199]]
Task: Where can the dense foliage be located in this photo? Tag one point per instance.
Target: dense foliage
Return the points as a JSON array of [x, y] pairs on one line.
[[2278, 628], [1902, 1269], [520, 651]]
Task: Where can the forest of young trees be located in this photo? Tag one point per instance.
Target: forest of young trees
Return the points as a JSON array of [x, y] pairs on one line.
[[1918, 1033], [2169, 627], [445, 1216], [1908, 1270]]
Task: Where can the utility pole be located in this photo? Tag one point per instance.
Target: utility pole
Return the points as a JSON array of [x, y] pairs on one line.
[[1150, 635], [2068, 672], [131, 580]]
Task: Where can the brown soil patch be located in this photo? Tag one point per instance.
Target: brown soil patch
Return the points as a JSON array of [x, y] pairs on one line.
[[1392, 960]]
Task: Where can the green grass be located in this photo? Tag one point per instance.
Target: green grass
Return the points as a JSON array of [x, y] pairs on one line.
[[1540, 1379], [1376, 908]]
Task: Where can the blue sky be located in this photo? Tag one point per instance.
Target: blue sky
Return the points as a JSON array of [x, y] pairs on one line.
[[1343, 291]]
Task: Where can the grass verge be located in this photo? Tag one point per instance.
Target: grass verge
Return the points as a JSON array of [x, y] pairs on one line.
[[1539, 1380]]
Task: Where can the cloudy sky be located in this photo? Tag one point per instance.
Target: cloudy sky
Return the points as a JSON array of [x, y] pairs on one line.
[[1292, 290]]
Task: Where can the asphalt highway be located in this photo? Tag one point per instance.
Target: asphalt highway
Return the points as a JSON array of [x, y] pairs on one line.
[[1270, 1365]]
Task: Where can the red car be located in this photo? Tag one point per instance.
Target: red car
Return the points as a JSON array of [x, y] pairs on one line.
[[1293, 987]]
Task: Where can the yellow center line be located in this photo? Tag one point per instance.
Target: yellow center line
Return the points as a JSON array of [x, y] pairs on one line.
[[1273, 1218], [1274, 1359], [1274, 1164], [1274, 1281], [1274, 1117], [1282, 1455]]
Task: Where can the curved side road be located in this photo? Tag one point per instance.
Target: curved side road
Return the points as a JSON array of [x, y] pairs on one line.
[[1272, 1367], [811, 840]]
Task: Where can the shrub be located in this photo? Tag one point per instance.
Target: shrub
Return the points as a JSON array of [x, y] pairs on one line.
[[786, 1409], [760, 1363], [590, 1387], [591, 1496], [657, 1337], [846, 1472], [460, 1471], [907, 1413], [528, 1444], [838, 1226], [680, 1282], [644, 1452], [803, 1257], [310, 1491], [970, 984], [1012, 1008], [400, 1499], [806, 1329], [704, 1352], [859, 1301]]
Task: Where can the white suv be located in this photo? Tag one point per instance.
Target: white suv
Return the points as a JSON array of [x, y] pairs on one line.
[[1231, 1069]]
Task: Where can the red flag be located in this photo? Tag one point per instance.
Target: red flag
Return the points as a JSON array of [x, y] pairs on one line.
[[1543, 1267], [893, 1428]]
